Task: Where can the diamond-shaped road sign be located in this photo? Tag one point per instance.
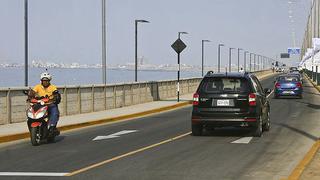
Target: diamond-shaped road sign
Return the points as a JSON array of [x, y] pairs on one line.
[[178, 46]]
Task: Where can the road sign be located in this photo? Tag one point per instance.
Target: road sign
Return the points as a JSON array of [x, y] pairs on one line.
[[178, 46], [284, 55], [294, 50]]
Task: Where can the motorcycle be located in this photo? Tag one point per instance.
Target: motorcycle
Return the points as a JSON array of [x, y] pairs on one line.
[[37, 120]]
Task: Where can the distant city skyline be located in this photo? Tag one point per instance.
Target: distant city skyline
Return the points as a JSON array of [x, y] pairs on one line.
[[70, 30]]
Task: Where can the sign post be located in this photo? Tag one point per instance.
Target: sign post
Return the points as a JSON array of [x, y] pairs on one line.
[[178, 46]]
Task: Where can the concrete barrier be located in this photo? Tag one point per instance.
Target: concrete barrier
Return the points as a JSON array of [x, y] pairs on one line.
[[85, 99]]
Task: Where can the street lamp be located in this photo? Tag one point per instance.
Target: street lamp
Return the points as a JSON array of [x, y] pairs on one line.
[[239, 58], [245, 61], [104, 43], [136, 47], [26, 42], [254, 62], [230, 49], [250, 63], [202, 54], [181, 33], [219, 46]]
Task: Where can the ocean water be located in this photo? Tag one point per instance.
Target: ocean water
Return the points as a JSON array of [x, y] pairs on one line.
[[14, 77]]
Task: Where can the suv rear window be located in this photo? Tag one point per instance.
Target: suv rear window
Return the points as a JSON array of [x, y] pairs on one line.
[[224, 85], [288, 78]]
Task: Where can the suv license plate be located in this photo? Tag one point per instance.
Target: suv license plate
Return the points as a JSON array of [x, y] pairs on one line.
[[223, 103]]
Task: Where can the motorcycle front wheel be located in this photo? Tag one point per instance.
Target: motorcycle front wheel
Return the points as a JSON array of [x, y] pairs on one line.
[[35, 136]]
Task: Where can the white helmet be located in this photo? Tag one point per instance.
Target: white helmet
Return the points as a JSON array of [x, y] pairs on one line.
[[46, 76]]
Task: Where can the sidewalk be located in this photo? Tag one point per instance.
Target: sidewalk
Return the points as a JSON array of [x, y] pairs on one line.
[[15, 131], [311, 171]]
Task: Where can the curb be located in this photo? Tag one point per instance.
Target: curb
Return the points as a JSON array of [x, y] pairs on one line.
[[299, 169], [25, 135]]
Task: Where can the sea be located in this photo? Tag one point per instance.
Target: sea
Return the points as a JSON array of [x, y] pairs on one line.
[[14, 77]]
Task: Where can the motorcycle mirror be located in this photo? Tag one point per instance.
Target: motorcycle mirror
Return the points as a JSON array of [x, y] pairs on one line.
[[25, 92]]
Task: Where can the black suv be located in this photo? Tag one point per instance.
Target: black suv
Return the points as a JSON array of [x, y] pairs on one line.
[[230, 99]]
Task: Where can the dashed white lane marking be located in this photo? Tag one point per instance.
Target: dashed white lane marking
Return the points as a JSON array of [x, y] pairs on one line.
[[43, 174], [244, 140]]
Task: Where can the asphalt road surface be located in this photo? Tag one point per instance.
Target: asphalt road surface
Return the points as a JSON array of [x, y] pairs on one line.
[[161, 147]]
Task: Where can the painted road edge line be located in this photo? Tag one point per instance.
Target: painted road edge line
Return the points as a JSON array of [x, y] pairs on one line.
[[298, 170], [126, 155], [25, 135], [43, 174]]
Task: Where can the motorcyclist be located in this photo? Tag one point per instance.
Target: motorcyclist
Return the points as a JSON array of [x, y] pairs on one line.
[[46, 89]]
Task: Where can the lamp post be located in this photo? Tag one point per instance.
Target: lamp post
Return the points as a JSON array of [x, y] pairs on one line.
[[245, 60], [26, 42], [230, 49], [254, 62], [181, 33], [250, 65], [239, 58], [136, 47], [202, 54], [219, 47], [104, 43]]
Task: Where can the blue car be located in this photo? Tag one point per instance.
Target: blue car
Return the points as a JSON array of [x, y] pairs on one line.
[[288, 85]]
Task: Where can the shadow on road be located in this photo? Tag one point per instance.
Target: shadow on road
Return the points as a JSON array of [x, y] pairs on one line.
[[310, 136], [228, 132], [307, 92], [313, 106]]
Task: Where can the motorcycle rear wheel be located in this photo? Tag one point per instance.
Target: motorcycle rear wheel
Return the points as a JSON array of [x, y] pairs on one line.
[[35, 136]]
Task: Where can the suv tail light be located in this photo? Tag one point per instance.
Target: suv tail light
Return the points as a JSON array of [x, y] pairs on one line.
[[277, 85], [195, 99], [252, 99], [299, 85]]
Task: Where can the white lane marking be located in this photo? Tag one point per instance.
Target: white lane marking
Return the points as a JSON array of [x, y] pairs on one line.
[[244, 140], [31, 174], [115, 135]]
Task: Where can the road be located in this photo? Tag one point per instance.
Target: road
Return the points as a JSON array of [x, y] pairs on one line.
[[162, 148]]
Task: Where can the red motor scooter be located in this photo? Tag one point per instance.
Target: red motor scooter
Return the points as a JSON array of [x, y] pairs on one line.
[[37, 115]]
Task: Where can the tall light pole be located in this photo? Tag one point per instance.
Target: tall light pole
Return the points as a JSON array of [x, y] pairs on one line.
[[104, 43], [202, 54], [230, 59], [219, 47], [254, 62], [250, 65], [181, 33], [245, 60], [26, 42], [239, 58], [136, 47]]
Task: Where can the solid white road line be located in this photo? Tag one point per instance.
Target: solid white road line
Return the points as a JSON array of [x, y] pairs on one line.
[[244, 140], [43, 174]]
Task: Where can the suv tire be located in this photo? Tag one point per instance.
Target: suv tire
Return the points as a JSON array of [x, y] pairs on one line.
[[197, 130], [258, 128], [266, 126]]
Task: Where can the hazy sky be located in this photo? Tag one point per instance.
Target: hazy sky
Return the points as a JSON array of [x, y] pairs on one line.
[[70, 30]]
